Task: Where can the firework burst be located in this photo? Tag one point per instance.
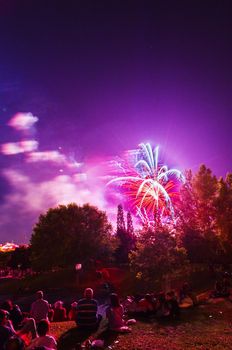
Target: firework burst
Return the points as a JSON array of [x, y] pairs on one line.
[[149, 187]]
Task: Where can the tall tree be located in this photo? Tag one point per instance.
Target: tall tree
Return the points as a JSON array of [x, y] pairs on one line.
[[186, 206], [205, 190], [120, 219], [196, 216], [223, 217], [124, 236], [196, 206], [69, 234], [130, 228]]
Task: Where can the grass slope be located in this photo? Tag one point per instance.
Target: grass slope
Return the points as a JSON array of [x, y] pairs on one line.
[[205, 327]]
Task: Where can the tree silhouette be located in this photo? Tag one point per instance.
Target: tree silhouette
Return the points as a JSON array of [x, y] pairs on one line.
[[70, 234], [157, 253], [124, 235], [202, 216], [120, 219], [130, 228]]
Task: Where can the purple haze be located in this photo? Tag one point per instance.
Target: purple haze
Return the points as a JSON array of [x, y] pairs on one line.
[[101, 77]]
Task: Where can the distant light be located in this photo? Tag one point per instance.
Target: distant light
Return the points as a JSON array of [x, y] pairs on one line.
[[78, 267], [8, 247]]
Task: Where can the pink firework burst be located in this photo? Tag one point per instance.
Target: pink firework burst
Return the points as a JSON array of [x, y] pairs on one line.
[[148, 187]]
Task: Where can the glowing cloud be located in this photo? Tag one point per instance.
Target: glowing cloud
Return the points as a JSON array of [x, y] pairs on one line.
[[23, 121], [46, 156], [29, 198], [24, 146]]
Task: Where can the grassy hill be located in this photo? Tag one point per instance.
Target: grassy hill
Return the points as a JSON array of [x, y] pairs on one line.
[[206, 327]]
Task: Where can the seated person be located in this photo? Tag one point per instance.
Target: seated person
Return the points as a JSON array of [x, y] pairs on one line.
[[72, 315], [162, 309], [130, 305], [221, 288], [15, 313], [27, 330], [146, 304], [43, 338], [50, 313], [173, 304], [218, 290], [60, 313], [114, 314], [6, 331], [226, 285], [186, 291], [87, 311], [39, 308], [15, 343]]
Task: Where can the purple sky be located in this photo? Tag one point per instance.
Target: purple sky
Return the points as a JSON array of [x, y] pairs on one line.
[[101, 77]]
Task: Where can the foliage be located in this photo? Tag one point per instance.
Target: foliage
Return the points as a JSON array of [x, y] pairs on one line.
[[157, 254], [223, 204], [203, 228], [129, 228], [204, 216], [125, 236], [207, 327], [70, 234], [4, 259], [120, 219], [201, 248], [196, 204], [20, 257]]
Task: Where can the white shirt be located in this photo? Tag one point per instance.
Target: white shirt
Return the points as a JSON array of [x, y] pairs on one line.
[[46, 340]]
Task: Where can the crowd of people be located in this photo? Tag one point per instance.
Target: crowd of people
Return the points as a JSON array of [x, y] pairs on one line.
[[21, 331], [32, 330], [159, 305]]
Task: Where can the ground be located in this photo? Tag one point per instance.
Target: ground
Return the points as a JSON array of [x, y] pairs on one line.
[[204, 327]]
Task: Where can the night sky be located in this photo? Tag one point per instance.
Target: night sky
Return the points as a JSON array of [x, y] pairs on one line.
[[93, 79]]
